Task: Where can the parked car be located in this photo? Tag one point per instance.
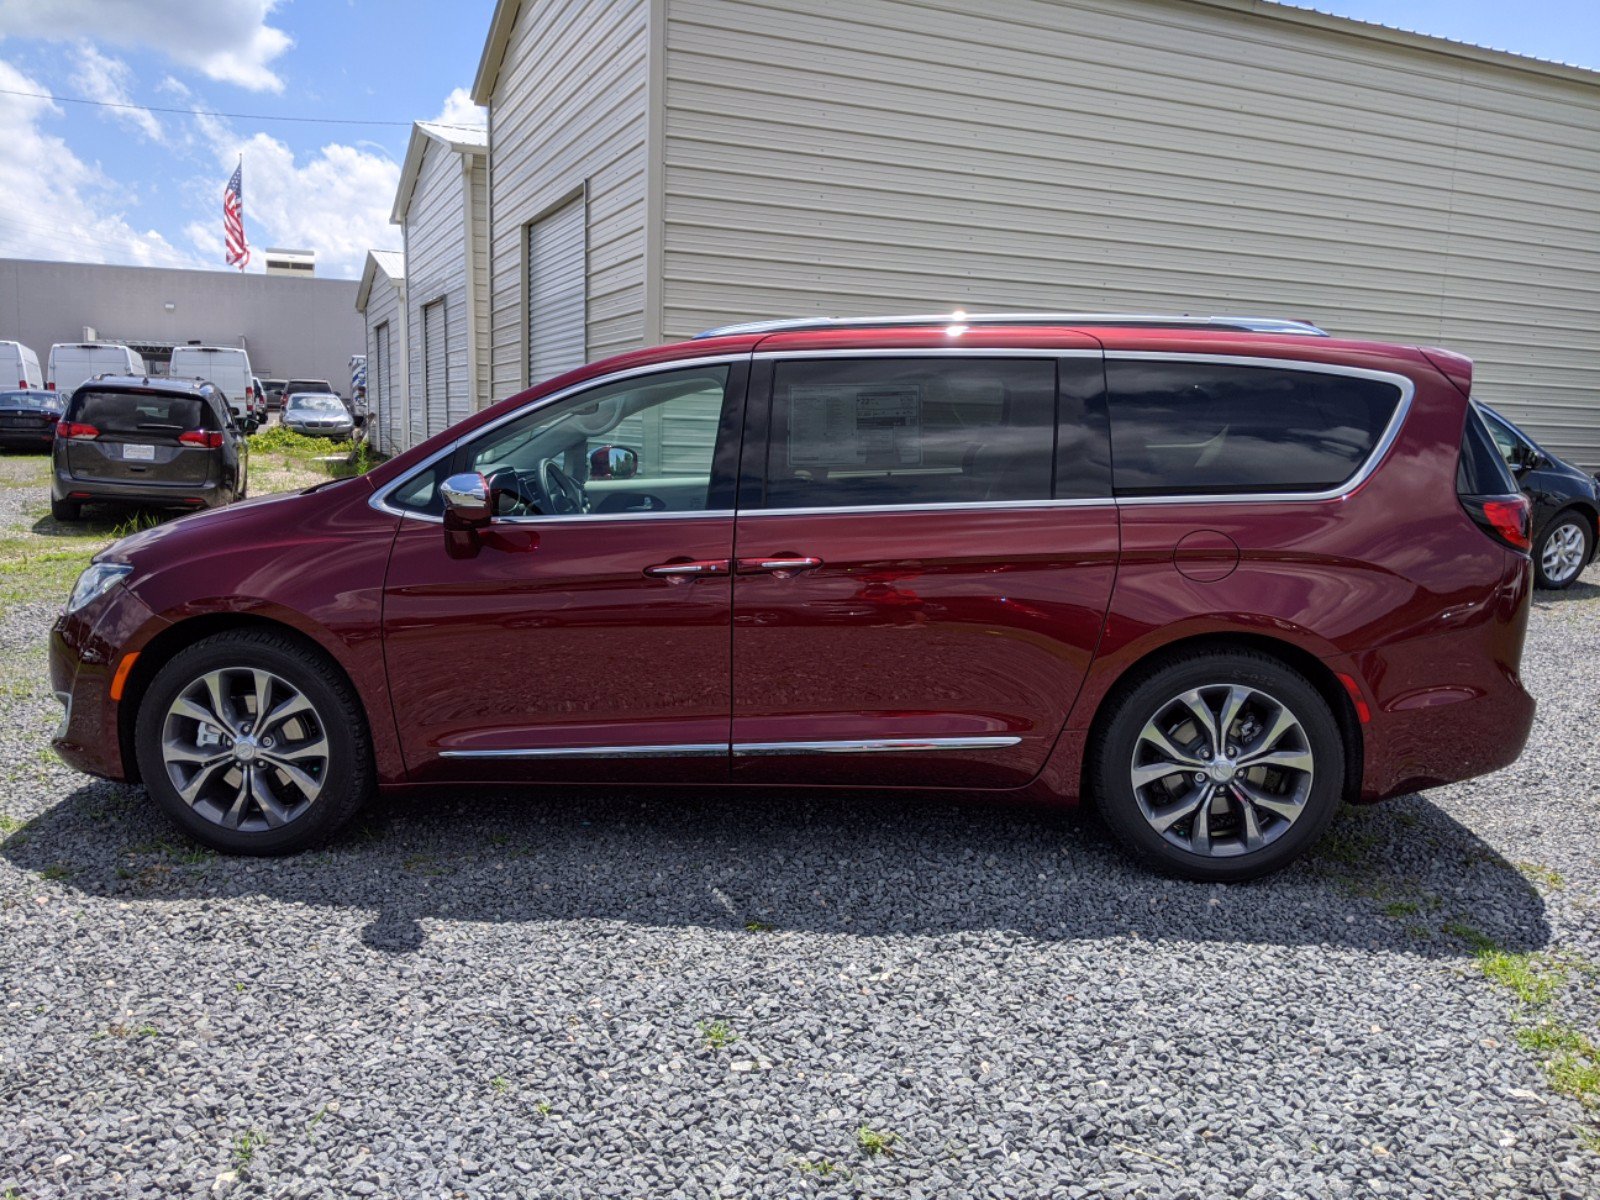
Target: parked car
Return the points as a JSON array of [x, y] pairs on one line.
[[1566, 503], [274, 389], [228, 368], [1220, 575], [318, 414], [258, 404], [28, 419], [163, 443], [71, 363], [22, 364]]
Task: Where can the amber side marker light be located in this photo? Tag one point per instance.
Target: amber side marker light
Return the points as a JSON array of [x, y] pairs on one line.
[[120, 679]]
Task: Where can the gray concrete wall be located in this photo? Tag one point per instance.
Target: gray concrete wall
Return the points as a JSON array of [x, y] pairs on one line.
[[306, 328]]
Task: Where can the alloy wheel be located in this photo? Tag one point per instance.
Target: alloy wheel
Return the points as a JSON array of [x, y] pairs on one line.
[[245, 749], [1222, 770], [1562, 553]]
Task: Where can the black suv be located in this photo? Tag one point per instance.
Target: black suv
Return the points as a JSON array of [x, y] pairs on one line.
[[166, 443], [1566, 503]]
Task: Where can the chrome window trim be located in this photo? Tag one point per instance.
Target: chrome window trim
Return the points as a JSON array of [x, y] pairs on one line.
[[1218, 322], [930, 352], [872, 746], [944, 506], [1373, 460], [379, 499], [679, 750]]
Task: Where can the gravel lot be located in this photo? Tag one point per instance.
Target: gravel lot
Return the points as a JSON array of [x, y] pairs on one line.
[[646, 994]]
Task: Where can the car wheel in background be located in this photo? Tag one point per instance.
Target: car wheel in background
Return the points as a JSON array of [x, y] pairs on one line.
[[1562, 552], [66, 510], [254, 744], [1219, 766]]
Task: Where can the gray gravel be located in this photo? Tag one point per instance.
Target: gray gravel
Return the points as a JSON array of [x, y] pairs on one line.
[[514, 996]]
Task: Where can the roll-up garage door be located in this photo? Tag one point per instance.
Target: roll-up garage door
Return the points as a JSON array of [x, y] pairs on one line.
[[556, 293], [435, 367], [388, 421]]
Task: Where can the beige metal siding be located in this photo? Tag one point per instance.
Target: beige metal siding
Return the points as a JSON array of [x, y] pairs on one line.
[[386, 376], [435, 374], [483, 395], [436, 270], [849, 156], [569, 115]]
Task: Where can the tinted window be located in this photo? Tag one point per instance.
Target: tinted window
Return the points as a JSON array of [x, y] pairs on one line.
[[857, 431], [1483, 472], [45, 400], [140, 412], [1191, 427]]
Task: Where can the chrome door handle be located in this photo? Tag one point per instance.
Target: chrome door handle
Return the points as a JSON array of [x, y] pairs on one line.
[[777, 565], [678, 570]]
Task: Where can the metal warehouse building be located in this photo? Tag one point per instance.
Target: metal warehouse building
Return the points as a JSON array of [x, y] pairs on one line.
[[659, 166]]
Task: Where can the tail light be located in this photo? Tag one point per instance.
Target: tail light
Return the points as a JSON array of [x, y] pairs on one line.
[[50, 386], [199, 437], [77, 432], [22, 383], [1507, 519]]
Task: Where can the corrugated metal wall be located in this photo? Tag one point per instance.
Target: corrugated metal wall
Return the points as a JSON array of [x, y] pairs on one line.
[[436, 270], [435, 373], [569, 112], [556, 286], [848, 156]]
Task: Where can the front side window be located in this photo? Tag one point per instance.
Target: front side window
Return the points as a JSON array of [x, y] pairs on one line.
[[1198, 428], [643, 445], [851, 432]]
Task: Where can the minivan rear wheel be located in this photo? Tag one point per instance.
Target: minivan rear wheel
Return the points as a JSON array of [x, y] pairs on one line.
[[254, 744], [1219, 766], [66, 510]]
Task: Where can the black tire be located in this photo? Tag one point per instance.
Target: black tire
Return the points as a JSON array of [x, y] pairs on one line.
[[347, 777], [66, 510], [1575, 529], [1112, 761]]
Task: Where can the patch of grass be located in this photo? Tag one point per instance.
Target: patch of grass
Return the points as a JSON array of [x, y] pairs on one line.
[[8, 825], [245, 1147], [543, 1108], [1570, 1059], [1547, 877], [757, 927], [875, 1142], [1535, 979], [717, 1034], [1402, 908], [56, 871], [500, 1084], [1475, 938], [821, 1167]]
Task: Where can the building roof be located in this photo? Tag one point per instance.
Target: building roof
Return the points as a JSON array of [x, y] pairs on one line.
[[391, 262], [504, 22], [424, 134]]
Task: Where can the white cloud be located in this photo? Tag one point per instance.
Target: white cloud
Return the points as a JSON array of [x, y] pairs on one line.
[[100, 77], [460, 110], [335, 201], [57, 206], [226, 40]]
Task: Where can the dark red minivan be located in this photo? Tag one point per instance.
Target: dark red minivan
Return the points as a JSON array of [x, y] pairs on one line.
[[1218, 574]]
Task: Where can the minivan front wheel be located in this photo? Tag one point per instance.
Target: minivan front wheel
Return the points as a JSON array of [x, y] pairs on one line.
[[1220, 766], [254, 744]]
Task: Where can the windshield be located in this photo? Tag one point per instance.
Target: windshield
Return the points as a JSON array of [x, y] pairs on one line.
[[316, 404], [138, 412], [43, 400]]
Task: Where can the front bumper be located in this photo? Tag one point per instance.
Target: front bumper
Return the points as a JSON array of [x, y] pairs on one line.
[[337, 432], [86, 648]]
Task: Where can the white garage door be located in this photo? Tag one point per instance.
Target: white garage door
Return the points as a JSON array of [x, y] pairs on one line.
[[435, 368], [379, 389], [556, 293]]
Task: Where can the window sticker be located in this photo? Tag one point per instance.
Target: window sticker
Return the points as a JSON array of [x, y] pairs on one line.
[[848, 425]]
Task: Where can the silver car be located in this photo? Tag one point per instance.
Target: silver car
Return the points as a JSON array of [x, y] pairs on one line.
[[318, 414]]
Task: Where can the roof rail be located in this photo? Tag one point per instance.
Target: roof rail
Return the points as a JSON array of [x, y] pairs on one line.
[[1157, 320]]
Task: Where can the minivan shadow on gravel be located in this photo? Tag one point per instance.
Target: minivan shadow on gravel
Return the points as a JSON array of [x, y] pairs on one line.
[[1401, 876]]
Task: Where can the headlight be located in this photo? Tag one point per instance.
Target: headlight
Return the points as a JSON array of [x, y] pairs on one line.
[[96, 580]]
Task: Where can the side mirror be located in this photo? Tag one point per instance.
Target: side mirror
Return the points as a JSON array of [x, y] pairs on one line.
[[466, 501], [613, 462]]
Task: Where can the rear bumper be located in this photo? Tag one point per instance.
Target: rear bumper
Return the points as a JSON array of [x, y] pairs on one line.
[[17, 439], [155, 492]]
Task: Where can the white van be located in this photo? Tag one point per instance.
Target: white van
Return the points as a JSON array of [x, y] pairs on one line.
[[19, 363], [73, 362], [226, 366]]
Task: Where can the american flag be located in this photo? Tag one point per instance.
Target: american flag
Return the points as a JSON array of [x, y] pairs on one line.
[[233, 219]]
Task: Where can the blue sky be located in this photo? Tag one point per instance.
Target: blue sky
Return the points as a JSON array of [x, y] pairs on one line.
[[101, 184]]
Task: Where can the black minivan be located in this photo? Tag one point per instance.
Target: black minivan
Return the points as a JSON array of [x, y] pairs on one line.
[[165, 443], [1565, 498]]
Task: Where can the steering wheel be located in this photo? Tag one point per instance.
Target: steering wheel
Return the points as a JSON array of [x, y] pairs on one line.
[[564, 493], [512, 497]]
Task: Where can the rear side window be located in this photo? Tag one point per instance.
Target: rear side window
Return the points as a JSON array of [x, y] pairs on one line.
[[1181, 428], [853, 432], [1483, 471], [139, 412]]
